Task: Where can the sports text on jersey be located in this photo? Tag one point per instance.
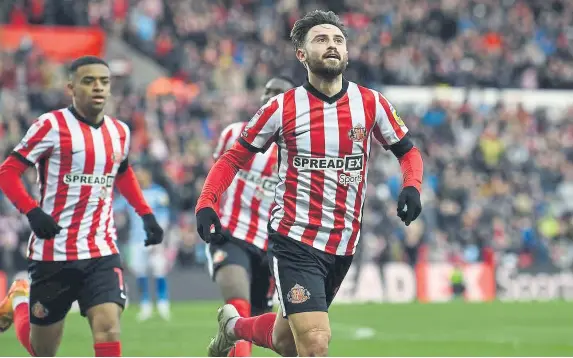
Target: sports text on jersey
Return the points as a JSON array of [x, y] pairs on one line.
[[349, 164], [352, 178], [266, 183], [89, 179]]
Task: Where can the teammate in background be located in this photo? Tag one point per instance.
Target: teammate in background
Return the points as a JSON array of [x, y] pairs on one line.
[[80, 154], [239, 265], [324, 131], [153, 259]]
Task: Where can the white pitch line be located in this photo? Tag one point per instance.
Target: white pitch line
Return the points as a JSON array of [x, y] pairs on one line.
[[357, 332]]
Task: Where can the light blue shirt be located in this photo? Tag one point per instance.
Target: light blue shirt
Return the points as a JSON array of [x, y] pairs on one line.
[[158, 199]]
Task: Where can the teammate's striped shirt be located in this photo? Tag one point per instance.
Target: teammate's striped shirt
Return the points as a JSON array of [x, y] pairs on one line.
[[246, 205], [77, 164], [324, 145]]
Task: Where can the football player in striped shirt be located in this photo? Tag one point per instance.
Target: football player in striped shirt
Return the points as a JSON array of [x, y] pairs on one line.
[[80, 154], [239, 264], [324, 130]]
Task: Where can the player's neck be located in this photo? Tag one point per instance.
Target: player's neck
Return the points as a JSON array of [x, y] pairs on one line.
[[90, 119], [327, 87]]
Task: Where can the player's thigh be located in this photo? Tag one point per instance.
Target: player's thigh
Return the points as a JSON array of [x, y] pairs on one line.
[[103, 283], [337, 273], [45, 340], [299, 276], [230, 268], [138, 259]]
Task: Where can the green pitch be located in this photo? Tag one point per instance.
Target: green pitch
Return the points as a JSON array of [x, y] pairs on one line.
[[452, 329]]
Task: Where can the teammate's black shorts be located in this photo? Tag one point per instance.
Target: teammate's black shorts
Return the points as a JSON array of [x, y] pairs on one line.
[[306, 278], [254, 260], [55, 285]]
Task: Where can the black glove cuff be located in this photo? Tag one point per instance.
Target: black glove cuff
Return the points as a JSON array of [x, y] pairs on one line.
[[34, 212]]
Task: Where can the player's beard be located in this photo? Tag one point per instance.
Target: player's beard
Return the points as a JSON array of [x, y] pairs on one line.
[[320, 67]]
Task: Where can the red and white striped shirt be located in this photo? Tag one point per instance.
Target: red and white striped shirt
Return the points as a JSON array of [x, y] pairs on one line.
[[245, 209], [77, 164], [324, 145]]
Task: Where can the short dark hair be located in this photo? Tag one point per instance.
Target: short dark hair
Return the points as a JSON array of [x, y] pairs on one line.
[[84, 61], [310, 20]]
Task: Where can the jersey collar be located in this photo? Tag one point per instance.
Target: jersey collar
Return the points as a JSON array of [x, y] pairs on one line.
[[330, 100], [81, 118]]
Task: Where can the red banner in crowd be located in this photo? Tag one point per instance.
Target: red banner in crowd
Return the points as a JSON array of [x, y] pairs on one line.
[[58, 43], [398, 282], [434, 282]]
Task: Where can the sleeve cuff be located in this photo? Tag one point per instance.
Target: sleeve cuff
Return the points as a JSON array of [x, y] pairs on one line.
[[123, 167], [21, 158], [249, 147]]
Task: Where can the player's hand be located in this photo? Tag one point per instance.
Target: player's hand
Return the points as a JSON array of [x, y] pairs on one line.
[[409, 205], [152, 229], [206, 218], [43, 225]]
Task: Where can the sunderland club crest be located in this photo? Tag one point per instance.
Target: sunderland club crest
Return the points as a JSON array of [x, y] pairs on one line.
[[39, 311], [357, 133], [298, 294]]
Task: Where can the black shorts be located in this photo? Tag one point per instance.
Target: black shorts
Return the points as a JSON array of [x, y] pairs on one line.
[[307, 279], [55, 285], [254, 261]]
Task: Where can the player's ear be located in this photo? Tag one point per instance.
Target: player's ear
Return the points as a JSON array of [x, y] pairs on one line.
[[301, 55], [70, 87]]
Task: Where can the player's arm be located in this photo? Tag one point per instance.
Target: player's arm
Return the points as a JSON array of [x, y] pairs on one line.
[[257, 136], [228, 137], [392, 133], [36, 145], [128, 186]]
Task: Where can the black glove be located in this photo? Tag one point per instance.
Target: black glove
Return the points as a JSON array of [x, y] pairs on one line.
[[410, 199], [206, 218], [42, 224], [152, 229]]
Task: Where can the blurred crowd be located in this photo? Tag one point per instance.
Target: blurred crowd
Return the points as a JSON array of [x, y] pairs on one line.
[[485, 43], [232, 45], [494, 176]]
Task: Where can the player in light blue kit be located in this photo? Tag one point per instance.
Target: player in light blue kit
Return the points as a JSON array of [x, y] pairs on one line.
[[149, 260]]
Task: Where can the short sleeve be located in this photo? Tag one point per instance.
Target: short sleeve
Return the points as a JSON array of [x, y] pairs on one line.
[[262, 129], [127, 143], [228, 136], [389, 127], [38, 141]]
